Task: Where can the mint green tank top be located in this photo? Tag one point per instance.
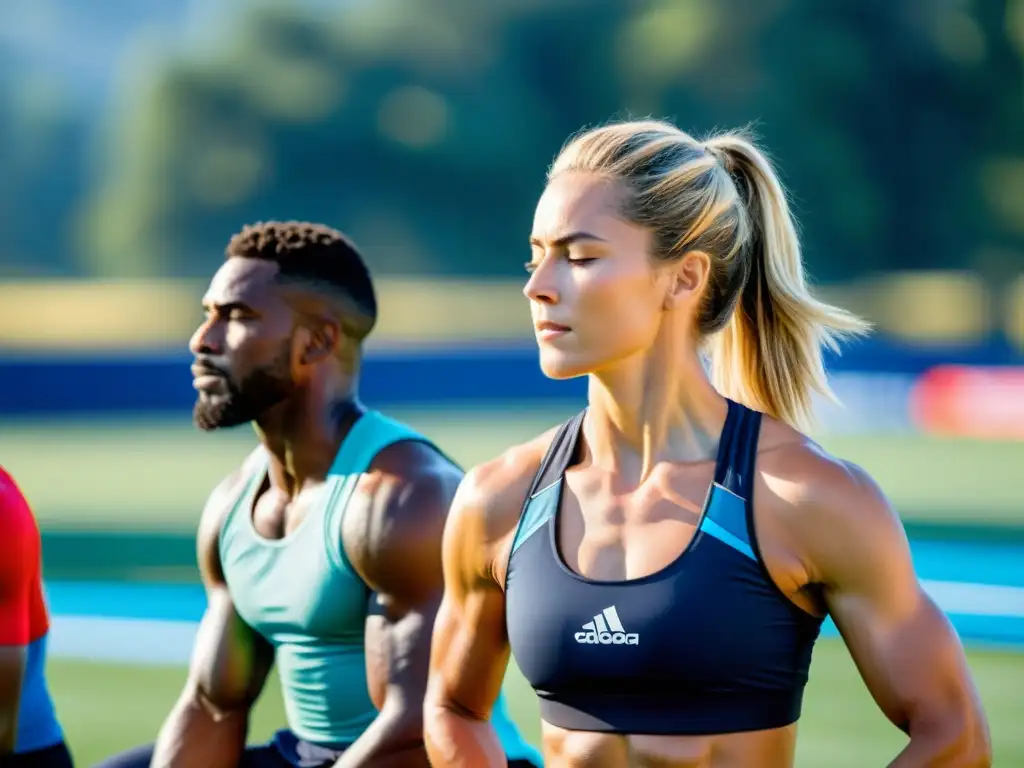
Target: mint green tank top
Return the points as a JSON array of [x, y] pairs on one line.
[[302, 595]]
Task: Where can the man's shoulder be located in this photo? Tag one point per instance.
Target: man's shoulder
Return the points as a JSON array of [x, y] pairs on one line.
[[394, 519], [223, 497], [414, 458], [16, 518], [19, 534], [408, 488]]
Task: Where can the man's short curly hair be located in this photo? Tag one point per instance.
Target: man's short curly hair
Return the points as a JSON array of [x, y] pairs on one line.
[[312, 254]]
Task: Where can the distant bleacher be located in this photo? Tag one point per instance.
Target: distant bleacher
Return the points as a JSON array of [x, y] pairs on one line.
[[953, 309]]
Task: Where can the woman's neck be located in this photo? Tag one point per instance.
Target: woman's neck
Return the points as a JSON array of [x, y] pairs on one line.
[[657, 406]]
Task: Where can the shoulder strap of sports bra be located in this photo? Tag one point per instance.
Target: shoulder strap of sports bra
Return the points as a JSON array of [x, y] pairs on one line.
[[737, 451], [559, 456]]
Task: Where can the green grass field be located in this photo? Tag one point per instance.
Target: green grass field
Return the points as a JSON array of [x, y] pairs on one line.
[[93, 483], [109, 708], [154, 475]]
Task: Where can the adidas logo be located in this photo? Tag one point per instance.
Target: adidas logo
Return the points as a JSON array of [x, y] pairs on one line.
[[607, 629]]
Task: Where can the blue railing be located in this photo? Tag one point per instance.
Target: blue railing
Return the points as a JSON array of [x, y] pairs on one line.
[[97, 383]]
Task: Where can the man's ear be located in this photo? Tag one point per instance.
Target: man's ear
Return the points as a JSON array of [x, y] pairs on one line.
[[322, 341]]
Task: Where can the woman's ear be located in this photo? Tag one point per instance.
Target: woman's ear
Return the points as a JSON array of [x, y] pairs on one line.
[[688, 277]]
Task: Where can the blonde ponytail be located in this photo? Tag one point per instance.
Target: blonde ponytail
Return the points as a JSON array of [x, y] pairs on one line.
[[769, 354]]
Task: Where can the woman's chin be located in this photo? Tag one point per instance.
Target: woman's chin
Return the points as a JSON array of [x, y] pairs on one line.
[[560, 366]]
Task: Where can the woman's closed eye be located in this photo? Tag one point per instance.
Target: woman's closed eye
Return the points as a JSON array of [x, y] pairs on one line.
[[574, 260], [580, 260]]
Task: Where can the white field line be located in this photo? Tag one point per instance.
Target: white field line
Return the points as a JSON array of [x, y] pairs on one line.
[[158, 641]]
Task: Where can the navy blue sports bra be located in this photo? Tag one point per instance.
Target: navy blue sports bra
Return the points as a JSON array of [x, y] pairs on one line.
[[707, 645]]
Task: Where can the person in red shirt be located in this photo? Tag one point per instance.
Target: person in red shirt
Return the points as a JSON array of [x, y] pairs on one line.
[[30, 734]]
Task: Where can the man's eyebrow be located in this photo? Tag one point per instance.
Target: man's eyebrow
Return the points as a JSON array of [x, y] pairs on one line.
[[226, 306]]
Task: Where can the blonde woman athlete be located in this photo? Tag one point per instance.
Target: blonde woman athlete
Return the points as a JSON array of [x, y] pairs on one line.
[[660, 565]]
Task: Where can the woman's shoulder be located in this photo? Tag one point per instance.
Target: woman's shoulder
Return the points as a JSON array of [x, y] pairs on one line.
[[489, 501], [824, 503], [497, 488], [802, 471]]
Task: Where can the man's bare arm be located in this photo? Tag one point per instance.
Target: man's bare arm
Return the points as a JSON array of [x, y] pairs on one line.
[[230, 663], [19, 562], [392, 536], [12, 672], [904, 647]]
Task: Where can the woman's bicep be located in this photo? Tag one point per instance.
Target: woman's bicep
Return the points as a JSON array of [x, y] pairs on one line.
[[469, 652], [469, 648]]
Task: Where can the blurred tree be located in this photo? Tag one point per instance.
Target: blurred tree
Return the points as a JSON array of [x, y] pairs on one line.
[[424, 127], [42, 141]]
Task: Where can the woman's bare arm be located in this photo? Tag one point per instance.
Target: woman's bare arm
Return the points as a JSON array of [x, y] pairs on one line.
[[906, 650], [470, 648]]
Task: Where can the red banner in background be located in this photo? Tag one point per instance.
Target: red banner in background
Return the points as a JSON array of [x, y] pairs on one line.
[[966, 401]]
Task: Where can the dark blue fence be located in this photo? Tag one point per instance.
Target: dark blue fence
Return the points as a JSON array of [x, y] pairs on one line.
[[94, 383]]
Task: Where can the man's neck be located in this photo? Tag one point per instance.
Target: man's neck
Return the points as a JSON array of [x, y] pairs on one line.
[[303, 435]]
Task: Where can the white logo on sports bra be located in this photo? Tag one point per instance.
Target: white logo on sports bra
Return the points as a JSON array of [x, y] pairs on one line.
[[607, 629]]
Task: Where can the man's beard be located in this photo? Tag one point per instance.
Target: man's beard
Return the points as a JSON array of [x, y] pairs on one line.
[[245, 402]]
